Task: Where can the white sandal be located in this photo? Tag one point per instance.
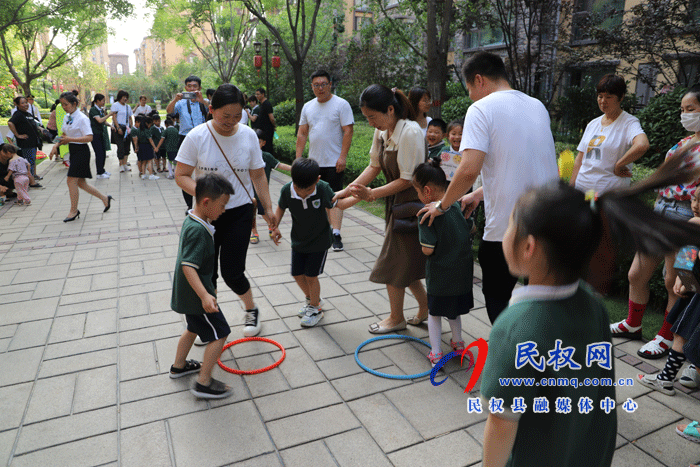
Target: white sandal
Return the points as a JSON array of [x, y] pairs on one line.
[[656, 348], [622, 329], [652, 382]]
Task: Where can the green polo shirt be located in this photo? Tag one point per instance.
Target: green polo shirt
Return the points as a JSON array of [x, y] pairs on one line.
[[435, 151], [155, 134], [196, 250], [270, 163], [311, 231], [449, 270], [171, 139], [142, 135]]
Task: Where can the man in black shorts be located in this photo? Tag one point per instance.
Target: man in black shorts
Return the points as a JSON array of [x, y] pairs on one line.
[[327, 123]]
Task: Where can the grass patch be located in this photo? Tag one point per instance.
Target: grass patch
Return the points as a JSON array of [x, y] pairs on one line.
[[374, 207], [617, 310]]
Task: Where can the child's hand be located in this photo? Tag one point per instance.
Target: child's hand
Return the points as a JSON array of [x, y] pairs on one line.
[[209, 304], [678, 287], [276, 235]]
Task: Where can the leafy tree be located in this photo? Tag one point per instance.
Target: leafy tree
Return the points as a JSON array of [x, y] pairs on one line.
[[87, 77], [220, 30]]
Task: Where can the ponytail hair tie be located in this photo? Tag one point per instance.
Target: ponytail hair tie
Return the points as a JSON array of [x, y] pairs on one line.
[[592, 198], [393, 90]]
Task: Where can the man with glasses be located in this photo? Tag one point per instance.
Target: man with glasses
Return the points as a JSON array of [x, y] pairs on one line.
[[327, 123]]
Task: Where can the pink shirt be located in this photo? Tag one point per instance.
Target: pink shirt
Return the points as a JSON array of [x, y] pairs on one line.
[[18, 166]]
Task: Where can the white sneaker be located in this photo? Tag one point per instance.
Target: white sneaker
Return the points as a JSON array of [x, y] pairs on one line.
[[252, 323], [143, 177], [154, 177], [102, 176], [109, 174], [302, 310], [128, 169], [122, 168]]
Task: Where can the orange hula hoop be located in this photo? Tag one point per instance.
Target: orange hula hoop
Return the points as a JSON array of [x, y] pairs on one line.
[[259, 370]]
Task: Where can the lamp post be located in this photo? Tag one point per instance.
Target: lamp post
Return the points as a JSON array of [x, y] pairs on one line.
[[257, 46], [43, 82]]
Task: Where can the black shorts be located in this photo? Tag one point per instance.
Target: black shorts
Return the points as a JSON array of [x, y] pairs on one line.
[[261, 209], [333, 178], [308, 264], [172, 155], [208, 326]]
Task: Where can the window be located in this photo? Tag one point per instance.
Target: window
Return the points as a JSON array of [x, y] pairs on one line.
[[689, 71], [360, 21], [607, 12], [484, 37], [120, 69], [646, 82], [589, 73]]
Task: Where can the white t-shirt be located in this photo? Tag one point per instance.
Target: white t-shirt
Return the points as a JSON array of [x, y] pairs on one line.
[[513, 130], [123, 113], [325, 133], [145, 110], [427, 123], [244, 118], [76, 125], [407, 139], [602, 147], [242, 150]]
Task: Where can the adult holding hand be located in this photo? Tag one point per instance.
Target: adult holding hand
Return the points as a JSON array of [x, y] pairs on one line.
[[611, 142], [398, 147], [673, 202], [23, 126], [123, 120], [77, 133], [225, 146], [99, 133]]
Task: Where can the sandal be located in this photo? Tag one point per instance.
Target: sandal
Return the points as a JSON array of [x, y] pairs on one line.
[[434, 358], [457, 346], [690, 432], [652, 382], [656, 348], [215, 390], [191, 366], [622, 329], [415, 321], [254, 239]]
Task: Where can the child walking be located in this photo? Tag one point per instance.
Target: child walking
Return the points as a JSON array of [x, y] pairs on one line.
[[549, 326], [143, 145], [170, 141], [19, 170], [270, 164], [157, 136], [309, 200], [449, 271], [194, 294]]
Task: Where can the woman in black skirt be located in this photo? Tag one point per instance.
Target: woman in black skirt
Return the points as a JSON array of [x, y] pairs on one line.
[[77, 133]]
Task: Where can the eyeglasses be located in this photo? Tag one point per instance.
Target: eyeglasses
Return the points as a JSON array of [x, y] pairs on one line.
[[320, 85]]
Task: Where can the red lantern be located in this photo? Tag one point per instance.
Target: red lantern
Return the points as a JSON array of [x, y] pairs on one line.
[[15, 82], [257, 62], [275, 61], [60, 87], [54, 87]]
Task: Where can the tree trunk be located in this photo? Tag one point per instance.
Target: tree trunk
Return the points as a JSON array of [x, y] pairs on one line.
[[298, 90]]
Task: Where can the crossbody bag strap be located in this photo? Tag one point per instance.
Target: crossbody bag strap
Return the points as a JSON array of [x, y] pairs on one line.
[[229, 163]]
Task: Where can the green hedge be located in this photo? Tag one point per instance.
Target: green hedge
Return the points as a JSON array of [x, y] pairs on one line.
[[285, 113], [661, 122], [358, 156]]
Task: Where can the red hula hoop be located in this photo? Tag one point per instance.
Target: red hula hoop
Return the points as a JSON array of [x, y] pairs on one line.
[[252, 372]]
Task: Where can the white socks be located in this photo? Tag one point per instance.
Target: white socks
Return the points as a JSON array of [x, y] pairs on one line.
[[435, 331]]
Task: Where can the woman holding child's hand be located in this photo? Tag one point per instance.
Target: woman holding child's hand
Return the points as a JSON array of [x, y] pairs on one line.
[[224, 146], [397, 149]]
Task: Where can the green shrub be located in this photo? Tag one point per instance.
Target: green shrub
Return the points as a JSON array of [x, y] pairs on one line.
[[455, 108], [285, 113], [662, 124]]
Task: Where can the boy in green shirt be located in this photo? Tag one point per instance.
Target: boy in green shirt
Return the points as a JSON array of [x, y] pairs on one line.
[[435, 137], [171, 142], [194, 294], [309, 200]]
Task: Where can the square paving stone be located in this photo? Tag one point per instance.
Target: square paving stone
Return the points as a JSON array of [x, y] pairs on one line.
[[95, 450], [267, 460], [299, 370], [13, 401], [24, 364], [145, 446], [630, 456], [51, 398], [649, 416], [31, 334], [365, 384], [356, 449], [7, 440], [314, 454], [339, 367], [454, 449], [72, 364], [385, 423], [95, 389], [318, 343], [686, 406], [310, 426], [305, 399], [67, 328], [200, 435], [667, 447]]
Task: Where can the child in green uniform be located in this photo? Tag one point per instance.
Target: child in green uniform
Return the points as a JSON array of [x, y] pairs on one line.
[[309, 200], [194, 294], [557, 331], [171, 141], [270, 164], [157, 135], [449, 271], [435, 137]]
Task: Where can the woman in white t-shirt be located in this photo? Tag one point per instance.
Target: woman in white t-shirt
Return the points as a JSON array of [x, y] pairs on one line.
[[142, 108], [421, 102], [611, 142], [223, 145], [77, 133]]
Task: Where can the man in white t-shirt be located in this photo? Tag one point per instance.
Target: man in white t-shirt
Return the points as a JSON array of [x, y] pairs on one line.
[[327, 123], [506, 138]]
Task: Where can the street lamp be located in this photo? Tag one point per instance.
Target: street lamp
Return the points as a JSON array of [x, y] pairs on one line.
[[257, 61]]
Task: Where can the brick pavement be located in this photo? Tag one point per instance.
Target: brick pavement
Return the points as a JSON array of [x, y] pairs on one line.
[[87, 338]]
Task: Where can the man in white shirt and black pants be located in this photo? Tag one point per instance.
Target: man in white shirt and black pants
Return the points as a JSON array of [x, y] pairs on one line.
[[327, 123], [507, 138]]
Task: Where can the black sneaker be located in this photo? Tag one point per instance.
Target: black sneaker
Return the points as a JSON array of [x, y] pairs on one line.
[[252, 323], [36, 177], [337, 243], [36, 185], [215, 390], [191, 366]]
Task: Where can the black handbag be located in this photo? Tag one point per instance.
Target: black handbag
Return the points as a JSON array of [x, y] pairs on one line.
[[406, 216]]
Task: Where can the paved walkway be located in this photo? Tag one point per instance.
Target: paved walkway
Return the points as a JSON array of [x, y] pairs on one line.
[[87, 338]]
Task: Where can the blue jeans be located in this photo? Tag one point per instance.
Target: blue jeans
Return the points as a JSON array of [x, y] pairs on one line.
[[673, 209], [30, 155]]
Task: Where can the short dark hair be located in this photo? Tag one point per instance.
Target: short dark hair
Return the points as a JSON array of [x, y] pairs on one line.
[[439, 123], [147, 120], [612, 84], [261, 134], [139, 118], [253, 98], [169, 121], [227, 94], [18, 99], [194, 78], [210, 92], [155, 116], [305, 172], [143, 97], [75, 92], [121, 94], [320, 74], [454, 124], [212, 185], [30, 96], [261, 91], [484, 64], [9, 147], [69, 97], [430, 172]]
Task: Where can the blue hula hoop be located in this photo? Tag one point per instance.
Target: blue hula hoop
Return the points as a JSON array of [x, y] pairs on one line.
[[385, 375]]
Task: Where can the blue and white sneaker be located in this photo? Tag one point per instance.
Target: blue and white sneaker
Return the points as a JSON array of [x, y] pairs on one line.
[[302, 310], [312, 316]]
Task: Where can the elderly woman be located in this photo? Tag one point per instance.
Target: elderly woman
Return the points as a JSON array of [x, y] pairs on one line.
[[398, 148], [77, 133], [23, 125], [611, 142]]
